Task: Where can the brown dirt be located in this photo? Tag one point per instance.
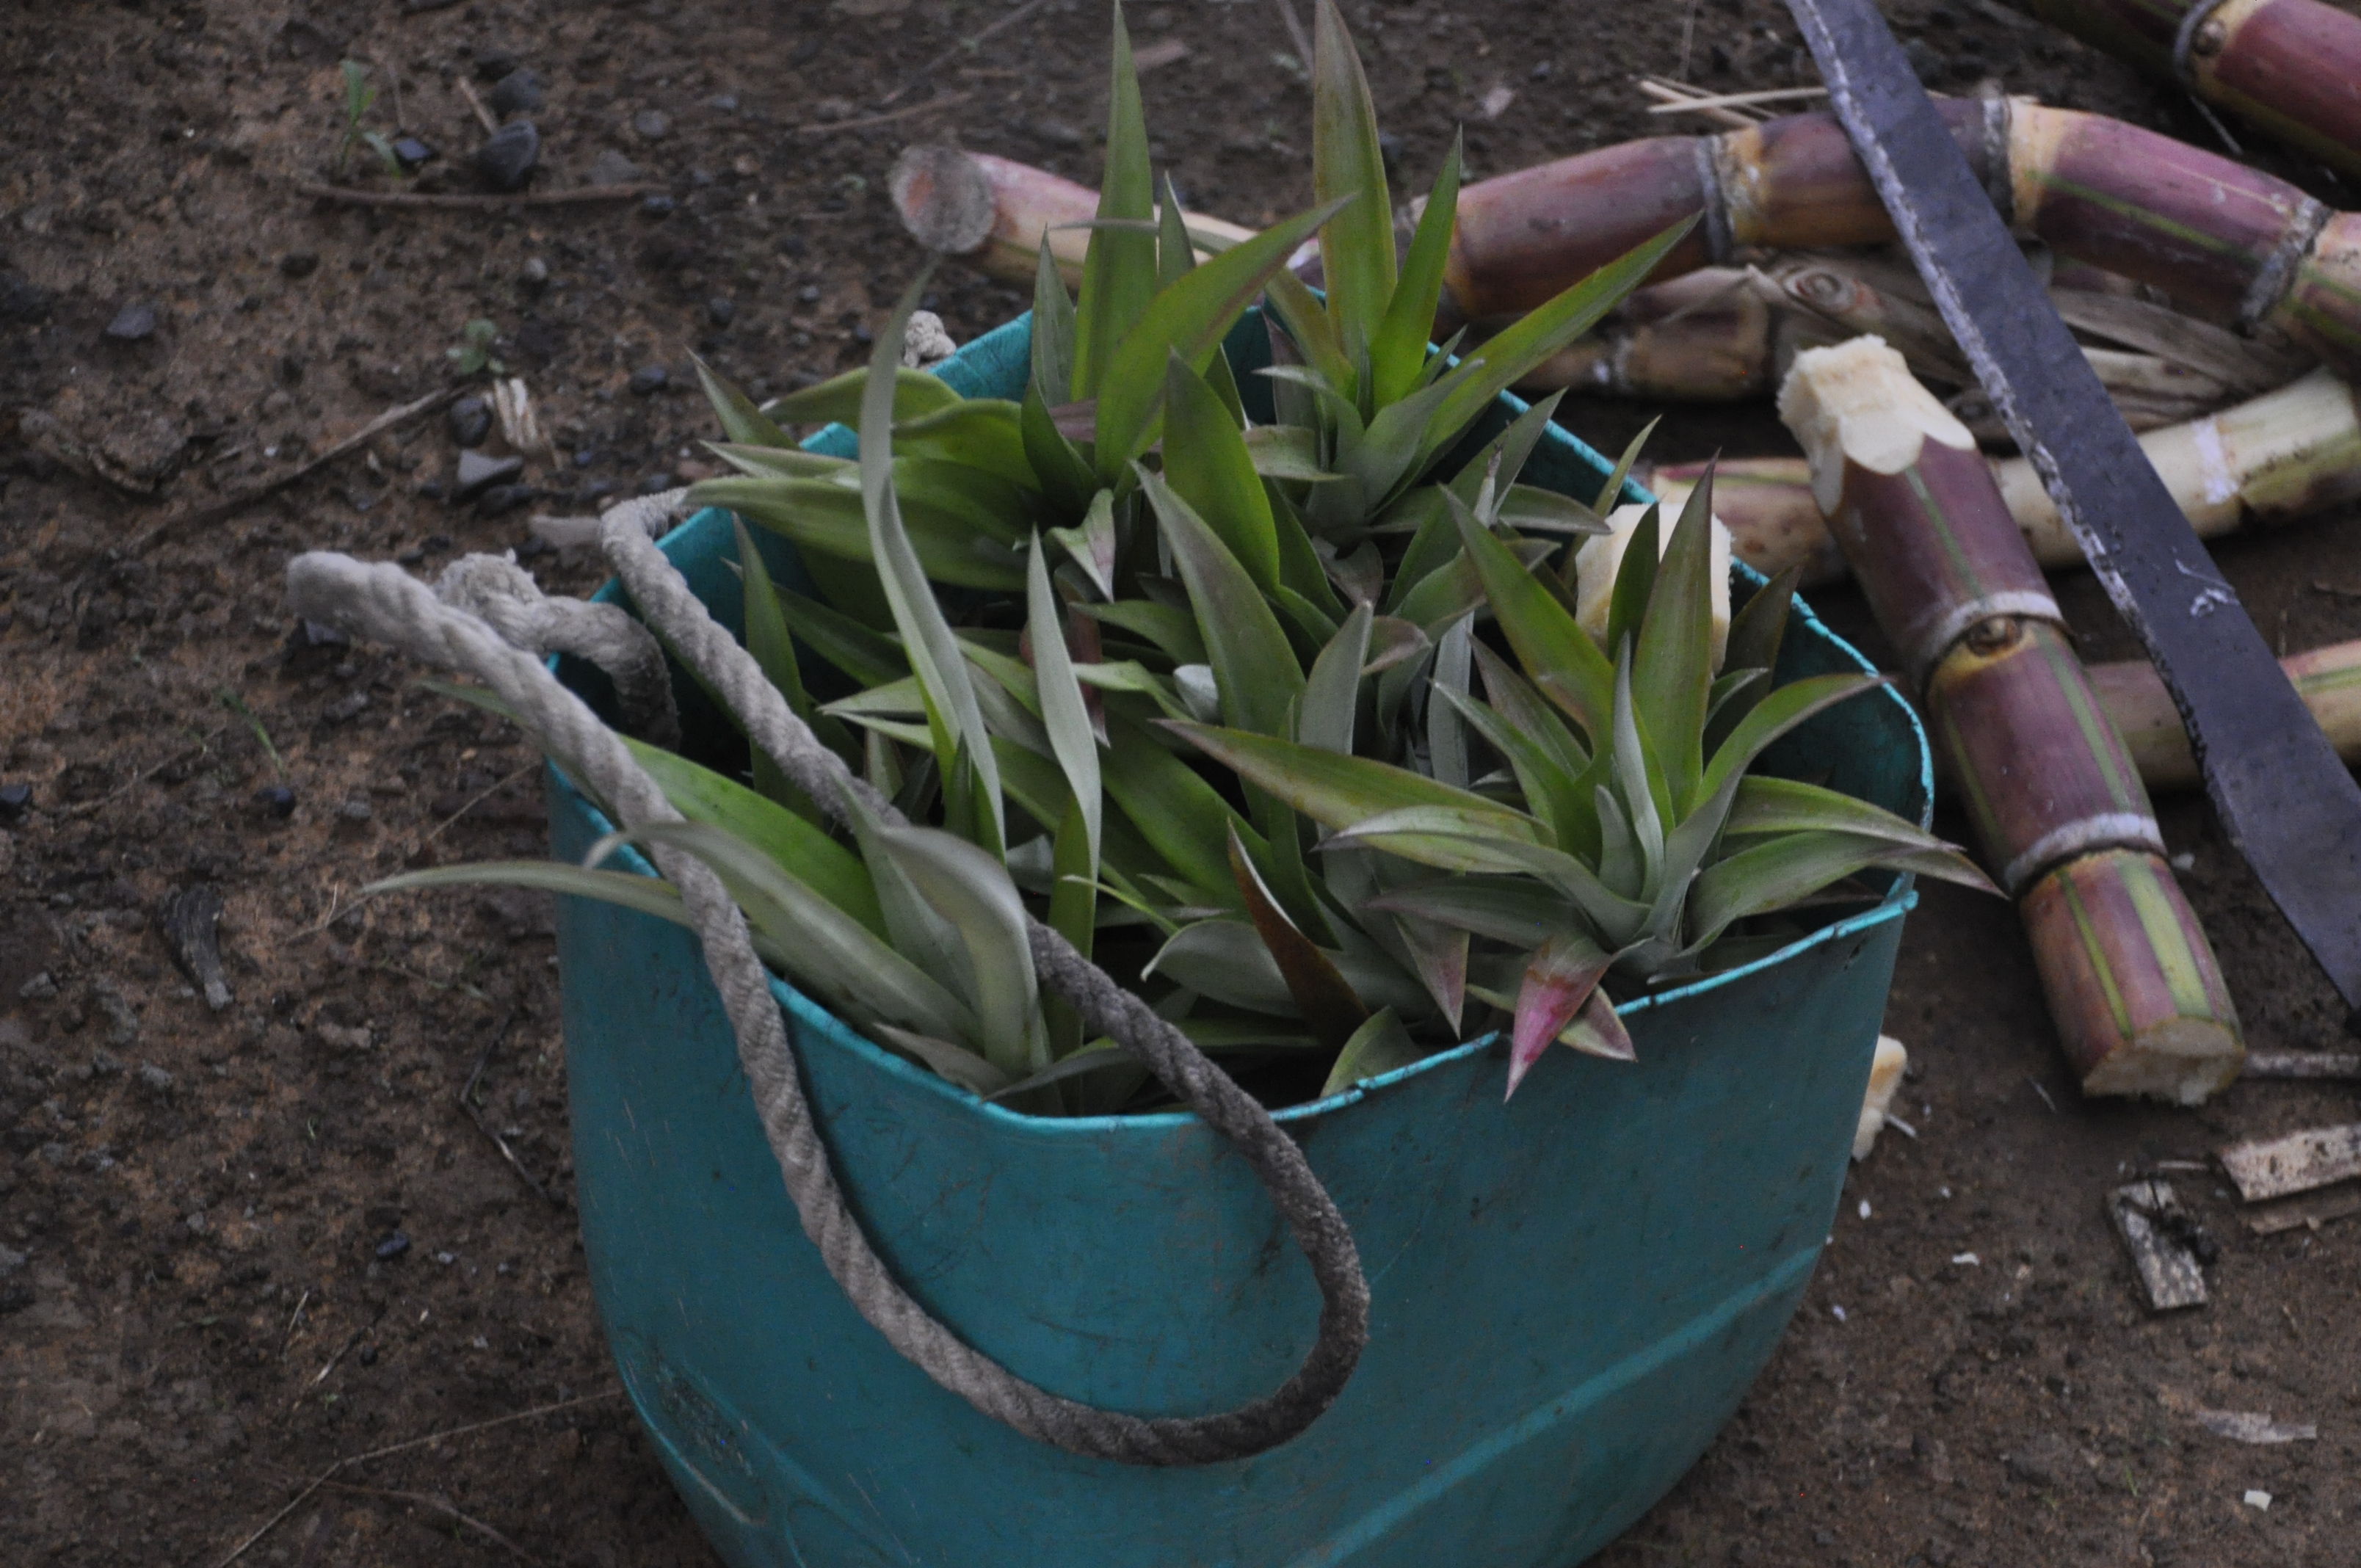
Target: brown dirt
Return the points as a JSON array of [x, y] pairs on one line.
[[202, 1322]]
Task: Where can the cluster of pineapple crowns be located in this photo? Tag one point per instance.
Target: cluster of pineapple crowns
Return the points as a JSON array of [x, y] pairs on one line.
[[1202, 686]]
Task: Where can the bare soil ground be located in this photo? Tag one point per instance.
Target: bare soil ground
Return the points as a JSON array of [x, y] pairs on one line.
[[206, 1289]]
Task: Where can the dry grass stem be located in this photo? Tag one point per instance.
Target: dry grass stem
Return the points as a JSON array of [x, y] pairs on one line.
[[326, 1476], [466, 91], [229, 507], [829, 127], [1677, 96], [481, 202], [441, 1506], [1735, 100], [964, 45]]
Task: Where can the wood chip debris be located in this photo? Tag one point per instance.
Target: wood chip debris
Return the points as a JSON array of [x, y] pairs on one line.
[[1886, 1071], [2303, 1064], [2310, 1212], [2299, 1162], [1164, 51], [2254, 1427], [2157, 1231]]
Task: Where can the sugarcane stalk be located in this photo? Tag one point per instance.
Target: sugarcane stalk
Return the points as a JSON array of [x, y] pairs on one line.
[[2328, 679], [1721, 333], [994, 211], [1709, 336], [2058, 806], [2281, 456], [2292, 66], [2230, 242]]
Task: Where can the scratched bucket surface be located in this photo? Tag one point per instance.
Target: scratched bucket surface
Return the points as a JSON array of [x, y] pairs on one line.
[[1570, 1292]]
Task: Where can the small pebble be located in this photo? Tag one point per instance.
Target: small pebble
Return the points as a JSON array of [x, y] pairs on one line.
[[494, 61], [809, 294], [316, 635], [21, 299], [506, 162], [276, 800], [413, 154], [392, 1246], [611, 167], [727, 102], [657, 206], [584, 457], [15, 799], [648, 380], [470, 420], [133, 323], [652, 124], [478, 472], [721, 309], [656, 483], [517, 92], [2258, 1500], [503, 499], [366, 1355], [535, 274], [154, 1079], [356, 811]]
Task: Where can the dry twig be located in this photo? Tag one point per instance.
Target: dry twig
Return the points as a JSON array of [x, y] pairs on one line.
[[962, 47], [466, 91], [494, 788], [89, 807], [468, 1105], [329, 1475], [829, 127], [217, 511], [441, 1506], [1679, 96], [1295, 33], [1732, 100], [476, 203]]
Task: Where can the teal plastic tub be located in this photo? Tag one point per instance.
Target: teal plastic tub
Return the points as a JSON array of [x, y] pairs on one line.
[[1571, 1291]]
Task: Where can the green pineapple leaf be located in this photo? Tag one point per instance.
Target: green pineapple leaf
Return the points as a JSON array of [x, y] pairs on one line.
[[1119, 270], [1356, 245]]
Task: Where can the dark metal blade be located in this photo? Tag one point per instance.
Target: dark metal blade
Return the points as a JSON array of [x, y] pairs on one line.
[[2285, 798]]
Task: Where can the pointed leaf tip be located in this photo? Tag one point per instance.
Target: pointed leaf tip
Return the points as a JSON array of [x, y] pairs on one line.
[[1559, 980]]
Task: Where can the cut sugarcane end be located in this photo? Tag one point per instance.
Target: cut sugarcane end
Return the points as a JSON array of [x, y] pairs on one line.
[[1885, 1078], [1601, 556], [2133, 984], [1858, 403]]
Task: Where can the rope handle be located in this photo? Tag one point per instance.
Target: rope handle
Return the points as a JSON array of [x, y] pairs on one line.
[[385, 604]]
